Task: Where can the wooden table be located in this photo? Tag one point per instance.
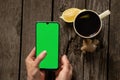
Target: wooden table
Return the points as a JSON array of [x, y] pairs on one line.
[[17, 37]]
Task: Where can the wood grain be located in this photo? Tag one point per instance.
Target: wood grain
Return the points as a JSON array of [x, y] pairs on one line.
[[95, 64], [10, 28], [70, 42], [34, 10], [100, 65], [114, 42]]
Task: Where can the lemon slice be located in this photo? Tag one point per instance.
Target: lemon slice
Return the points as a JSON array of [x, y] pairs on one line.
[[70, 14]]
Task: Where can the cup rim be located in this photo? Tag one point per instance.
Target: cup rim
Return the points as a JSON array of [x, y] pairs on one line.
[[91, 36]]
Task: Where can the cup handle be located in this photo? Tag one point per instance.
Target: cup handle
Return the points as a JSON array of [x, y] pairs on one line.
[[104, 14]]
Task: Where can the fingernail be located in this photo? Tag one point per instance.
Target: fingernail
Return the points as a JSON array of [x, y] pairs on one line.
[[65, 56], [44, 52]]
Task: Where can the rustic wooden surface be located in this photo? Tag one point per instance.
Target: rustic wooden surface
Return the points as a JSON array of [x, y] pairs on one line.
[[17, 38], [34, 10], [10, 28], [114, 42]]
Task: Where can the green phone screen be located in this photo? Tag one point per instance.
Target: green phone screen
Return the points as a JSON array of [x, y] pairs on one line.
[[47, 38]]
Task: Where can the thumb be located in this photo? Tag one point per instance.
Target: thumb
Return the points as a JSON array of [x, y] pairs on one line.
[[40, 58], [65, 61]]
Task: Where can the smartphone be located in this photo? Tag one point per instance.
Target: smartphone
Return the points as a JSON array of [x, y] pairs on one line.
[[47, 38]]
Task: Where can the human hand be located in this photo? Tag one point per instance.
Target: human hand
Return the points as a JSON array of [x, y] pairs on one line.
[[33, 72], [65, 71]]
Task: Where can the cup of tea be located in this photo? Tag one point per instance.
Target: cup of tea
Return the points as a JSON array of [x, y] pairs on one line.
[[88, 23]]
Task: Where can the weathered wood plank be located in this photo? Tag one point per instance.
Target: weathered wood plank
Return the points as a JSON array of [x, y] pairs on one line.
[[69, 42], [95, 64], [114, 42], [34, 10], [10, 28]]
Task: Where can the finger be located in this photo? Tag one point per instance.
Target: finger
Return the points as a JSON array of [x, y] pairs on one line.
[[40, 58], [65, 62], [32, 53]]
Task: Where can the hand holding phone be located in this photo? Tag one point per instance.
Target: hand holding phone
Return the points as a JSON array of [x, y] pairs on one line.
[[34, 73]]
